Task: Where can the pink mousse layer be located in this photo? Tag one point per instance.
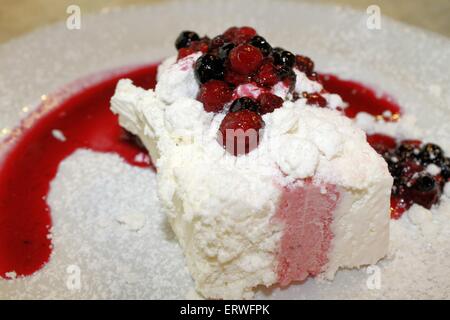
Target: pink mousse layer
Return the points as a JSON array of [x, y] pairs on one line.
[[307, 214]]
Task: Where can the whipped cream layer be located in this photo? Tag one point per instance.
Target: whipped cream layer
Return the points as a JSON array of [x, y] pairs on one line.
[[225, 210]]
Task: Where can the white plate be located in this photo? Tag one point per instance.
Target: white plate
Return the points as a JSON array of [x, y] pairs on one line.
[[411, 64]]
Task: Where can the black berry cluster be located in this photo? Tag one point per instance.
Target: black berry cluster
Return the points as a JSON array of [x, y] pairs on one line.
[[420, 171]]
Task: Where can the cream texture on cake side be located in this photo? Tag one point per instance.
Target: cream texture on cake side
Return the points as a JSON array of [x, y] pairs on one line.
[[221, 207]]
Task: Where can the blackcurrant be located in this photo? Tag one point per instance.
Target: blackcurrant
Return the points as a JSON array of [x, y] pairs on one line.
[[431, 153], [185, 39], [445, 168], [244, 103], [209, 67], [283, 58], [224, 50], [261, 44], [407, 150]]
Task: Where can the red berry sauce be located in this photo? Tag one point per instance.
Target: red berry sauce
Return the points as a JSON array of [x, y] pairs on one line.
[[32, 162], [361, 98]]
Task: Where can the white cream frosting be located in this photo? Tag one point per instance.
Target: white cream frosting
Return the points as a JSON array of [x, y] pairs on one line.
[[177, 80]]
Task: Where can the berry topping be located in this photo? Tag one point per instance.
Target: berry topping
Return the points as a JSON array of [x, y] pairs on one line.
[[267, 75], [431, 153], [217, 42], [424, 183], [398, 207], [209, 67], [184, 52], [244, 34], [407, 163], [409, 169], [244, 103], [195, 46], [425, 191], [445, 168], [269, 102], [185, 38], [235, 78], [262, 44], [287, 75], [230, 33], [408, 149], [240, 56], [224, 50], [304, 64], [315, 99], [313, 76], [202, 45], [245, 59], [239, 131], [239, 35], [214, 94], [283, 57]]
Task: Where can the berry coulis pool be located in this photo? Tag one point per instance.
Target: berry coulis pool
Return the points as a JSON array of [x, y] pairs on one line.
[[86, 122], [32, 163]]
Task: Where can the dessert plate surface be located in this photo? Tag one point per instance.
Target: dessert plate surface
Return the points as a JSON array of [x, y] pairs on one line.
[[410, 64]]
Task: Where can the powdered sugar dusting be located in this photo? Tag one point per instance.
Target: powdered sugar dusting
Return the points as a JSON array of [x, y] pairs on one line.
[[106, 222]]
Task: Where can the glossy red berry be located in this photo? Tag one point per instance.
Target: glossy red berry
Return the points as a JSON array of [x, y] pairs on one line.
[[236, 79], [314, 76], [217, 42], [287, 75], [267, 75], [239, 131], [409, 169], [230, 33], [239, 35], [269, 102], [244, 34], [304, 64], [214, 94], [316, 99], [245, 59], [202, 45]]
